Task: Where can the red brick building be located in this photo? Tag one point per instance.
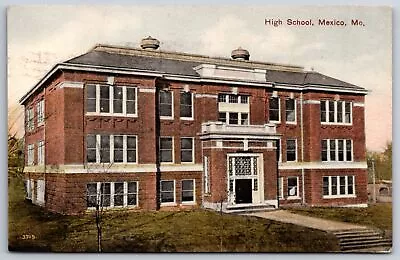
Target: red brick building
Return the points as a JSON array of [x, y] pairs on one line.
[[150, 129]]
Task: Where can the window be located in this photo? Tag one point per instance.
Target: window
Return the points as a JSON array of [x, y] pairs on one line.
[[338, 186], [233, 99], [40, 112], [337, 112], [167, 191], [338, 150], [109, 100], [31, 154], [41, 152], [291, 150], [112, 194], [206, 176], [187, 151], [111, 149], [274, 109], [28, 189], [186, 105], [166, 104], [292, 188], [291, 110], [166, 149], [188, 190], [132, 196], [29, 120], [234, 118]]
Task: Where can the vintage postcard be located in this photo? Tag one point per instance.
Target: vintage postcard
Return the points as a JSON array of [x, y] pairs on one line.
[[156, 128]]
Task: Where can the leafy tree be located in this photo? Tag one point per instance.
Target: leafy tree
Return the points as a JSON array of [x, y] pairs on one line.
[[382, 162]]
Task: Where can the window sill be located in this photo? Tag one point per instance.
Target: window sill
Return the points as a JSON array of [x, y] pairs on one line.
[[188, 163], [188, 203], [336, 124], [291, 123], [110, 114], [275, 122], [293, 198], [168, 204], [338, 196], [166, 118], [187, 118]]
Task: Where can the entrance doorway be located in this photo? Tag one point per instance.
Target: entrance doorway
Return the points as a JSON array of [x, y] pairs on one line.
[[243, 190]]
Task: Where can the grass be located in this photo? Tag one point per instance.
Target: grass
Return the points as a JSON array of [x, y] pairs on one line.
[[31, 228], [375, 215]]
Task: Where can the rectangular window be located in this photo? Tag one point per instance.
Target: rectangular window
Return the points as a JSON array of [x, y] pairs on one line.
[[338, 186], [31, 154], [40, 112], [292, 188], [131, 94], [167, 191], [244, 99], [290, 110], [118, 100], [28, 189], [111, 149], [104, 148], [244, 118], [132, 196], [338, 150], [166, 149], [131, 150], [118, 148], [29, 119], [91, 98], [166, 104], [336, 112], [222, 117], [118, 196], [91, 195], [222, 98], [112, 194], [105, 194], [106, 99], [233, 99], [291, 150], [233, 118], [186, 110], [188, 189], [274, 109], [41, 153], [187, 151], [206, 176]]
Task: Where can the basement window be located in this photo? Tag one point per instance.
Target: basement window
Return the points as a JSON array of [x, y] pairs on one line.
[[188, 189], [167, 191]]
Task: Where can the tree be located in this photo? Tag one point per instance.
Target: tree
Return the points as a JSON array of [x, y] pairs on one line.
[[382, 163]]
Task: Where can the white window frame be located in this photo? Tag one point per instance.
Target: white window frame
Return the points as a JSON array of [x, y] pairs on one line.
[[173, 203], [111, 101], [173, 149], [192, 110], [295, 143], [194, 192], [41, 191], [31, 154], [112, 194], [172, 106], [295, 112], [239, 98], [193, 150], [239, 117], [30, 123], [40, 112], [328, 157], [327, 122], [125, 149], [41, 152], [297, 190], [338, 195], [206, 187], [28, 189], [279, 110]]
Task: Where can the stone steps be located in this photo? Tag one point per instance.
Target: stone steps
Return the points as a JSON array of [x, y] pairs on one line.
[[359, 240]]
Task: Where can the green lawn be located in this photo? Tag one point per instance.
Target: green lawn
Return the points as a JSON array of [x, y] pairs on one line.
[[33, 229], [378, 215]]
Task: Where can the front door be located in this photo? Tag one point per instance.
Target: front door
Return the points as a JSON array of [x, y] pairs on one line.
[[243, 190]]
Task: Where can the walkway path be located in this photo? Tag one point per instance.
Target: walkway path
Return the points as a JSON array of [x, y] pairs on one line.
[[311, 222]]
